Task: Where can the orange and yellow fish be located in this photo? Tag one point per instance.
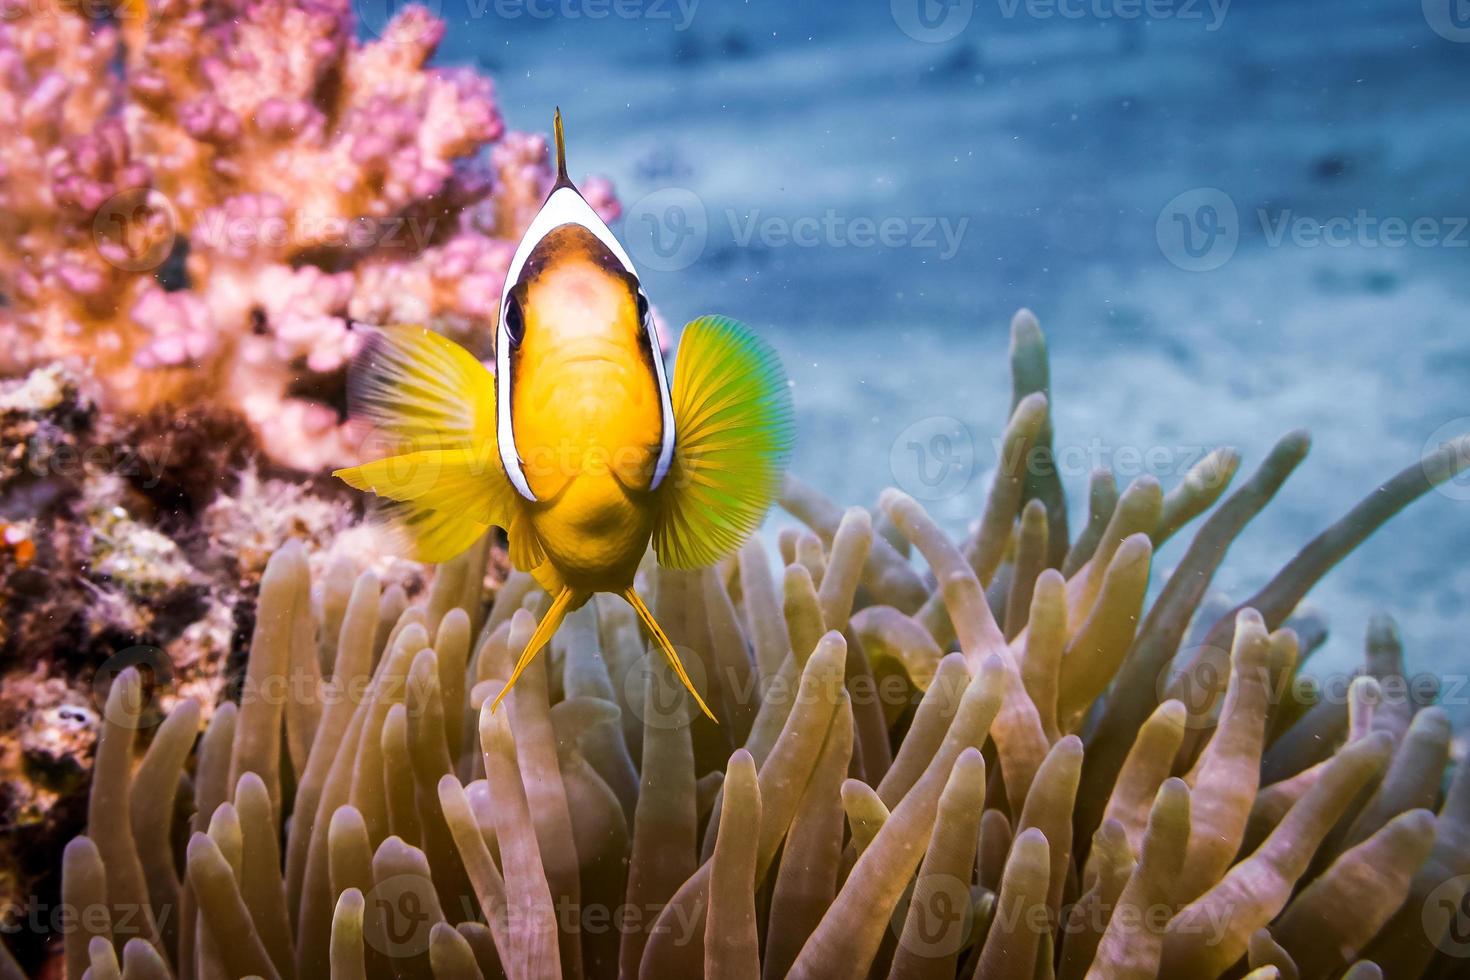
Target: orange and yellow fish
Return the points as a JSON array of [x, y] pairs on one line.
[[577, 445]]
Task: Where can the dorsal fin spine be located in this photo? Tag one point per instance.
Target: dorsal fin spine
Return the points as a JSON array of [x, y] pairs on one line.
[[561, 150]]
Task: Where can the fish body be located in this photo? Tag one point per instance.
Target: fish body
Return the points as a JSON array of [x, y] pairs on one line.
[[579, 445], [587, 415]]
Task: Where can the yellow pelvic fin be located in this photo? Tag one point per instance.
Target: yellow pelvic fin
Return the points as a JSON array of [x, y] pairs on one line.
[[662, 641], [548, 577], [733, 417], [526, 551], [560, 606]]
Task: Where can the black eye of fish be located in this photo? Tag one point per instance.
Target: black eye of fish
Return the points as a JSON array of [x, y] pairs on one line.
[[642, 307], [515, 324]]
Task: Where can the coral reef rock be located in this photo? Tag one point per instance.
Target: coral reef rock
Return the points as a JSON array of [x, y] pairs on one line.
[[129, 540]]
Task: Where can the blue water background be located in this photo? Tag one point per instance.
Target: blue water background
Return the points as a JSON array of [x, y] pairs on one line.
[[1073, 147]]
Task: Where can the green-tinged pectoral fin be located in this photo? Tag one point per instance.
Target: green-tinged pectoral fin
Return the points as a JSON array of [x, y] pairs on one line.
[[433, 403], [734, 432]]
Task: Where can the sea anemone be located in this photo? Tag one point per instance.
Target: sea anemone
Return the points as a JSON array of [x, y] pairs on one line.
[[1010, 764]]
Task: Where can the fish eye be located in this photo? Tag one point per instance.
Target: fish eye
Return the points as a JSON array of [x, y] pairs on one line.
[[642, 306], [515, 324]]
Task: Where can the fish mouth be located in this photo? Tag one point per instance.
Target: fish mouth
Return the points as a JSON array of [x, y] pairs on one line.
[[590, 357]]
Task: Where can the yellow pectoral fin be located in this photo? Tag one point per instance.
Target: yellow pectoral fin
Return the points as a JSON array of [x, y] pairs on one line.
[[429, 536], [661, 640], [419, 387], [426, 396], [734, 432], [463, 481], [439, 501]]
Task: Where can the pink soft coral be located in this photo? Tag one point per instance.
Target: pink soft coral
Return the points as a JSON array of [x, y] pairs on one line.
[[206, 223]]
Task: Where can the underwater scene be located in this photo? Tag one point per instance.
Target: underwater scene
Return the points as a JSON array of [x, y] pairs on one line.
[[734, 488]]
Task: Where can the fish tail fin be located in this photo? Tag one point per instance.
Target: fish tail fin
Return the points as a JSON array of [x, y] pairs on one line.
[[430, 403], [661, 640], [733, 416], [560, 606]]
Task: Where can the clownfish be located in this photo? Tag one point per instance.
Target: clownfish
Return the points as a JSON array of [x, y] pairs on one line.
[[578, 445]]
